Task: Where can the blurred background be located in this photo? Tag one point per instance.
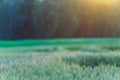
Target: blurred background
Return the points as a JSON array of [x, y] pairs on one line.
[[43, 19]]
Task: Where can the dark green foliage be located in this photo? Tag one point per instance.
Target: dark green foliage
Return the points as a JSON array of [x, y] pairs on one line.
[[55, 18], [36, 19], [15, 19]]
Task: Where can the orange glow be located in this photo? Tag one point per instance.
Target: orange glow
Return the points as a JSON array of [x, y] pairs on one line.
[[98, 15], [103, 2]]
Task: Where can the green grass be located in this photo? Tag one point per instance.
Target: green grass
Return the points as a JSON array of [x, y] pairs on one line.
[[15, 43], [60, 59], [93, 60]]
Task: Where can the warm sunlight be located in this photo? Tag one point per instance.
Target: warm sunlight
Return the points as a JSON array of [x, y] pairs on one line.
[[103, 2], [99, 2], [95, 5]]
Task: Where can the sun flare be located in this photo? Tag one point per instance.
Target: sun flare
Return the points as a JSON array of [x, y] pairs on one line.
[[102, 2], [103, 5]]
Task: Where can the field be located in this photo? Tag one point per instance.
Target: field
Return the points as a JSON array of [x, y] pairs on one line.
[[60, 59]]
